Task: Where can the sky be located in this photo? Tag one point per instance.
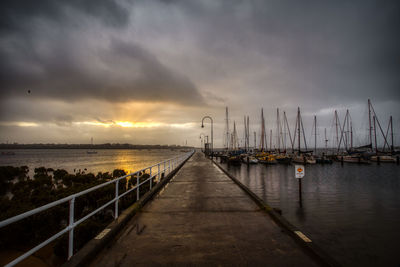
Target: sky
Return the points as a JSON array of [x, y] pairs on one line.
[[147, 72]]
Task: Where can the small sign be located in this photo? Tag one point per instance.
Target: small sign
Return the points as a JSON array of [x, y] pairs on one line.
[[299, 170]]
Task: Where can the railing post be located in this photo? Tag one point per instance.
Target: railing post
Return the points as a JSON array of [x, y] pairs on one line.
[[158, 173], [71, 228], [151, 179], [164, 168], [116, 199], [169, 166], [137, 187]]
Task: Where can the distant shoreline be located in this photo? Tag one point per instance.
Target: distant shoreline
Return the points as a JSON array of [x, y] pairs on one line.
[[89, 146]]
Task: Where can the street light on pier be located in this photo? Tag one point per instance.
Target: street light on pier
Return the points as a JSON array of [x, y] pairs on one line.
[[204, 136], [212, 138]]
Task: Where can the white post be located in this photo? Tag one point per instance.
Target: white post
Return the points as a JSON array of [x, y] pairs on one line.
[[116, 200], [158, 173], [71, 230], [137, 186], [151, 179]]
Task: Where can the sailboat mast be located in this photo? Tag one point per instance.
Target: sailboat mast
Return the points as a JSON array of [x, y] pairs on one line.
[[284, 133], [315, 134], [278, 130], [369, 121], [234, 136], [336, 123], [298, 122], [270, 140], [351, 135], [376, 146], [347, 129], [255, 140], [248, 133], [262, 130], [326, 143], [288, 128], [227, 128], [391, 135], [304, 134], [245, 133]]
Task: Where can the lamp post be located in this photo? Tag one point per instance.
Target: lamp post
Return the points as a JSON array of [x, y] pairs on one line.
[[212, 139], [206, 148], [204, 136]]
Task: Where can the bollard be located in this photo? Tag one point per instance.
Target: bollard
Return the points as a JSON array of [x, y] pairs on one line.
[[341, 161], [397, 160], [248, 162], [378, 160]]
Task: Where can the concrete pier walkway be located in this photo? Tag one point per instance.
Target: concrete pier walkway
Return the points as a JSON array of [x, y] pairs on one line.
[[202, 218]]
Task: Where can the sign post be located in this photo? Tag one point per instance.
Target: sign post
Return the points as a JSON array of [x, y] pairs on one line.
[[299, 174]]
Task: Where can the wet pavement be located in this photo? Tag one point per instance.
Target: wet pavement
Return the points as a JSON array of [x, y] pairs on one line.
[[202, 218]]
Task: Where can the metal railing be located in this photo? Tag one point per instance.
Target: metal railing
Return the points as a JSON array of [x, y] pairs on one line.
[[161, 169]]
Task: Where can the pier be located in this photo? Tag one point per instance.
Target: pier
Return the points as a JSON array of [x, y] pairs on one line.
[[202, 217], [192, 212]]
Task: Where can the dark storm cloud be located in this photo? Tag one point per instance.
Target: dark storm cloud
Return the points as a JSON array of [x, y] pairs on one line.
[[311, 51], [68, 62], [124, 72], [15, 14]]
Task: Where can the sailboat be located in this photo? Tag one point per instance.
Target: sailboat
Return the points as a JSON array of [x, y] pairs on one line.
[[234, 155], [281, 156], [91, 151], [323, 159], [304, 157]]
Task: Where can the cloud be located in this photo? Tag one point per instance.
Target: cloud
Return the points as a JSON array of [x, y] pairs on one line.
[[304, 52], [175, 60], [85, 61], [16, 14]]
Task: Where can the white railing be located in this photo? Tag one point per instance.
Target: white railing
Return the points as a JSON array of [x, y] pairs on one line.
[[164, 167]]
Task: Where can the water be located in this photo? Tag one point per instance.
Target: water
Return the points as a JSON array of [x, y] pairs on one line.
[[106, 160], [351, 211]]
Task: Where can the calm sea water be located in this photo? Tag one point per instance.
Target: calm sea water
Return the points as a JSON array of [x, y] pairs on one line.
[[351, 211], [106, 160]]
